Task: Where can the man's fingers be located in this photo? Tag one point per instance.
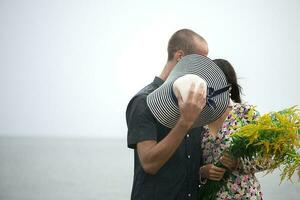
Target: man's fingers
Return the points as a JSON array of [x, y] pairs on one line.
[[201, 95], [191, 91], [179, 98], [201, 92]]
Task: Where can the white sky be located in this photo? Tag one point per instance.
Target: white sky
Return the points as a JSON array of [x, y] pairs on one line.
[[69, 68]]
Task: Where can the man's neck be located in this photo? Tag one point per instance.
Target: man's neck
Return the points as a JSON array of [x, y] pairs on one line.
[[167, 70]]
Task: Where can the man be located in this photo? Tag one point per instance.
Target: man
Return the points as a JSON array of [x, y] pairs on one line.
[[166, 161]]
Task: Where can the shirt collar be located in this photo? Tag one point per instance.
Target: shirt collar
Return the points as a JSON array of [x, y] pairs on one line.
[[158, 81]]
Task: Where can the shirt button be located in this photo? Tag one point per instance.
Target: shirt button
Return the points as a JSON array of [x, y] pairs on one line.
[[189, 195], [188, 135], [189, 156]]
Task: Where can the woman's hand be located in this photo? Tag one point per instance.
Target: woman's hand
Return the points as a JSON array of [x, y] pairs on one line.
[[212, 172], [228, 162]]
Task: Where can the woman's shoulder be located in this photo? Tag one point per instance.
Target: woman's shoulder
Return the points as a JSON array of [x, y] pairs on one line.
[[244, 106], [245, 109]]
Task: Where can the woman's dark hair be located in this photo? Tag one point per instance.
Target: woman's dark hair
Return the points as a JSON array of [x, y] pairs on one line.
[[230, 74]]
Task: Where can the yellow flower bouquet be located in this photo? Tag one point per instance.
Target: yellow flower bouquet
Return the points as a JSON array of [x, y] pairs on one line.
[[274, 137]]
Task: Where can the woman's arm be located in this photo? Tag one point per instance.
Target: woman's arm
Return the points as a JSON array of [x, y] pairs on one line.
[[251, 166]]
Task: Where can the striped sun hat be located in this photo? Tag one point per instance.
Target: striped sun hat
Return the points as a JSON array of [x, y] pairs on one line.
[[163, 103]]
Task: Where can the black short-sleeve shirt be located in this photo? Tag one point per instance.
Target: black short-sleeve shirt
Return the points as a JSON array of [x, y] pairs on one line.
[[178, 177]]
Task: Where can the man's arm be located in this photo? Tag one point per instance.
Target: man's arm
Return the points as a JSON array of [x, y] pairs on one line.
[[154, 155]]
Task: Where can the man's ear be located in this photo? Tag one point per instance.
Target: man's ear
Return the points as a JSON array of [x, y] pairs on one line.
[[178, 55]]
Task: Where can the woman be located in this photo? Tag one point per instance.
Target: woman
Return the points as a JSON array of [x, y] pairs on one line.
[[242, 184]]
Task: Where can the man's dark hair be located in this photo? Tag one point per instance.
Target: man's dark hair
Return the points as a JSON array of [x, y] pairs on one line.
[[184, 40]]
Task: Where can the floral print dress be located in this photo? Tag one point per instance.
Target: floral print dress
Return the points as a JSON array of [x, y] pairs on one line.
[[242, 184]]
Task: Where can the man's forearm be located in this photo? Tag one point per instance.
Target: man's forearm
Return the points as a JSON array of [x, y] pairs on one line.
[[154, 156]]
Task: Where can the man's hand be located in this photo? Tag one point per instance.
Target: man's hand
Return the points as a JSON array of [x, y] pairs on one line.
[[212, 172], [154, 155], [194, 104]]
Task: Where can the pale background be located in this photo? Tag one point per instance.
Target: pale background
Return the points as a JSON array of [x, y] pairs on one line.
[[68, 69]]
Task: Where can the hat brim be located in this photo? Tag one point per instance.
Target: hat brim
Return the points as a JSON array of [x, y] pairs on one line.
[[161, 101]]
